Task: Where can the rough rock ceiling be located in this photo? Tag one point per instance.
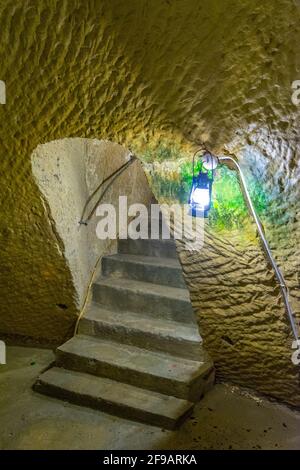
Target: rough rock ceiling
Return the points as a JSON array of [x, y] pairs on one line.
[[208, 70]]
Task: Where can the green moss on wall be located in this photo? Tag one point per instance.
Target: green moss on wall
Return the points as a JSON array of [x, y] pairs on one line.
[[229, 210], [162, 150]]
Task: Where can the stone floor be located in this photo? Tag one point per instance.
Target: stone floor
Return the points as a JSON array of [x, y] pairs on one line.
[[227, 418]]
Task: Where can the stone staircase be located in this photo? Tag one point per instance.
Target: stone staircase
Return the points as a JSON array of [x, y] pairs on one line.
[[138, 353]]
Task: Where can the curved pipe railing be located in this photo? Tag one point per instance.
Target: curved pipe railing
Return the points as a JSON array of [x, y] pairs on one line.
[[110, 179], [279, 276]]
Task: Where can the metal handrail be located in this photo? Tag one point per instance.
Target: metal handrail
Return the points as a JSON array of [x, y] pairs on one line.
[[278, 274], [111, 177]]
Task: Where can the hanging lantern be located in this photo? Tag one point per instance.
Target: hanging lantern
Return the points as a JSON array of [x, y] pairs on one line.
[[200, 199]]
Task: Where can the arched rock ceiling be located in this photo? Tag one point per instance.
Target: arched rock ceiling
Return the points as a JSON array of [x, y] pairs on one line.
[[208, 71]]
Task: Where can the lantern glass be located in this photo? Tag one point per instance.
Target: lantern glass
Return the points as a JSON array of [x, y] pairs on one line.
[[200, 195]]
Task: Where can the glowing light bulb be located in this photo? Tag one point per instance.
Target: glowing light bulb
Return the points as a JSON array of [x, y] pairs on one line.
[[201, 197]]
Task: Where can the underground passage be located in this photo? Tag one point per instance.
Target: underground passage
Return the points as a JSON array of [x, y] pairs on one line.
[[150, 247]]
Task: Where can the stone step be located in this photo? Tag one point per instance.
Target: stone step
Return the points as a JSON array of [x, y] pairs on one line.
[[160, 248], [151, 370], [170, 303], [166, 271], [114, 397], [156, 334]]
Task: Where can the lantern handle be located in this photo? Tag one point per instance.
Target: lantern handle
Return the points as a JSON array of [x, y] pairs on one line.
[[205, 152]]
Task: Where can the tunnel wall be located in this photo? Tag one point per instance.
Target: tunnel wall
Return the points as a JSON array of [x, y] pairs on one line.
[[54, 285], [67, 172]]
